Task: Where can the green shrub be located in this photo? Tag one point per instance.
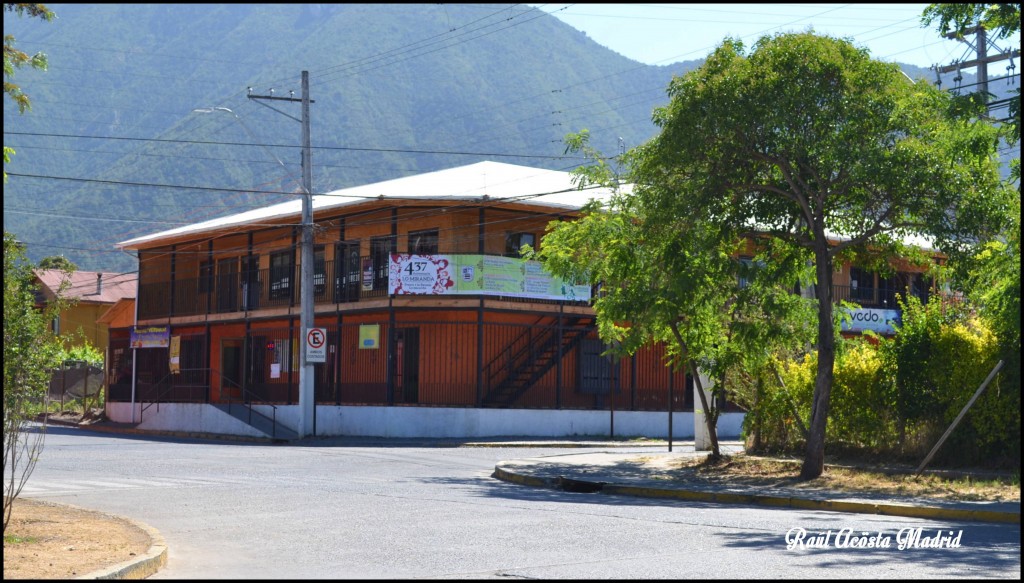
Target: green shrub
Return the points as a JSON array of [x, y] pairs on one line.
[[773, 416], [861, 406], [896, 398]]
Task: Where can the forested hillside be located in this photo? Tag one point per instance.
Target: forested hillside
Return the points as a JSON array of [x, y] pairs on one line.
[[113, 147]]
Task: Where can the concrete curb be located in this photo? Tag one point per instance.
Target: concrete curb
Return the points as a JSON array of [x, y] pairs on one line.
[[142, 567], [560, 444], [933, 512], [138, 568]]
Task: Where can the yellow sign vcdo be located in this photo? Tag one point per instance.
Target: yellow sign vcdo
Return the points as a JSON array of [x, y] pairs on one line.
[[369, 336]]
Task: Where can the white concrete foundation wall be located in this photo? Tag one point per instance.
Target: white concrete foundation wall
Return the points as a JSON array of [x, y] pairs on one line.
[[186, 417], [371, 421]]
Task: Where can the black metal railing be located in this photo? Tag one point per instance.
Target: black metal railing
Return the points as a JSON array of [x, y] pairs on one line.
[[157, 393], [420, 363], [247, 399], [874, 297]]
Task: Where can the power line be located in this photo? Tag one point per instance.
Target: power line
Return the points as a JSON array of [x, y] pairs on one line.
[[328, 148]]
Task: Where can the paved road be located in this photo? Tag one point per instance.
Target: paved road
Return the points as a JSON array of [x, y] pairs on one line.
[[364, 509]]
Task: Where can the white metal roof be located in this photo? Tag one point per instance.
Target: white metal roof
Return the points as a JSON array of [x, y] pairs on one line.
[[495, 180]]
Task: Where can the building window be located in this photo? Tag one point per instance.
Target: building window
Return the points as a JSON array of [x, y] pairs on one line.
[[380, 255], [423, 242], [515, 241], [748, 267], [250, 282], [205, 277], [347, 274], [920, 286], [281, 268], [888, 287], [862, 285], [282, 353], [319, 270]]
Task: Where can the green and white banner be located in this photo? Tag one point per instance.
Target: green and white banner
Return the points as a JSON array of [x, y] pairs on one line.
[[478, 275]]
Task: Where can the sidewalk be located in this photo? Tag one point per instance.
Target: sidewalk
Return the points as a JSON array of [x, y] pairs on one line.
[[640, 473]]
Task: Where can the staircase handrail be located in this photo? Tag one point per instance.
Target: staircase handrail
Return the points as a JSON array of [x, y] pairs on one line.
[[248, 403]]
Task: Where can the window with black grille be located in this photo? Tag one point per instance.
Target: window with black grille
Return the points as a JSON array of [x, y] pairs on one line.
[[282, 265], [423, 242], [515, 241]]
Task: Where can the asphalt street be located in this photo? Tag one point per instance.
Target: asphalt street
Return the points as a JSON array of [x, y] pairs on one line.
[[361, 508]]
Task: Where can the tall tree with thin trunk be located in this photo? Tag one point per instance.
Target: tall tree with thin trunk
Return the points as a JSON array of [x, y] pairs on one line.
[[809, 141], [676, 281], [31, 352]]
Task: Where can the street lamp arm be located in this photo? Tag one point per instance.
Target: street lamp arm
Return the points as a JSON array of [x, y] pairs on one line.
[[255, 140]]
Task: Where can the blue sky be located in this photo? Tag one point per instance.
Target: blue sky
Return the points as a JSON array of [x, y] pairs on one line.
[[658, 34]]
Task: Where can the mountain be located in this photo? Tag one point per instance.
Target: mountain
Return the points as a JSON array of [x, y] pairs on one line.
[[113, 147]]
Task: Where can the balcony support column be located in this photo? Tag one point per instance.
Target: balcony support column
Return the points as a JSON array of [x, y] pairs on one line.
[[174, 257], [480, 316], [558, 380], [211, 286]]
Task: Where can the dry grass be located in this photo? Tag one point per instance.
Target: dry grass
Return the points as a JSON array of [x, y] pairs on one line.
[[767, 472], [54, 541]]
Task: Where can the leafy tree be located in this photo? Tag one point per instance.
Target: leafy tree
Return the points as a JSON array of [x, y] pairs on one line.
[[57, 262], [668, 279], [808, 141], [993, 275], [31, 351], [15, 59], [1001, 19]]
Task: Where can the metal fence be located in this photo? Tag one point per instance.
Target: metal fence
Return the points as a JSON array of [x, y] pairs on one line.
[[420, 363]]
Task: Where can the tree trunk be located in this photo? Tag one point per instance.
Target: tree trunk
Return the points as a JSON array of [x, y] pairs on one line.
[[709, 418], [814, 460], [756, 412]]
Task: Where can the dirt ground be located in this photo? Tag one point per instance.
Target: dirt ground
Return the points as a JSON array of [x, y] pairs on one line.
[[53, 541], [769, 472]]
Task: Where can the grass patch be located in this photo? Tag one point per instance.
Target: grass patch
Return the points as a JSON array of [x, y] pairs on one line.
[[13, 539]]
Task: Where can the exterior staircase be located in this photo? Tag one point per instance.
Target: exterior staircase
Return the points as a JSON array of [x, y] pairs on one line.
[[513, 375], [258, 421]]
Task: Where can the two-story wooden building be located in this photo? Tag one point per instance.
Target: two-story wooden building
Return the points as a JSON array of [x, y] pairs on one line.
[[435, 325]]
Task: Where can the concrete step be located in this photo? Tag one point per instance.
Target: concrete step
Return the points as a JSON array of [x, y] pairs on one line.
[[258, 421]]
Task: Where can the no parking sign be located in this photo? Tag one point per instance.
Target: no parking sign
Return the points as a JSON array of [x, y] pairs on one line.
[[316, 345]]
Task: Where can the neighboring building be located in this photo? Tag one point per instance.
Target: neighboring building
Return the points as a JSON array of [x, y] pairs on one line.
[[876, 293], [92, 293], [434, 325], [118, 320]]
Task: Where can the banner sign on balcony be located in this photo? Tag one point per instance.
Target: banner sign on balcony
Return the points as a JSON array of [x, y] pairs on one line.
[[367, 274], [150, 336], [478, 275], [175, 355], [874, 319]]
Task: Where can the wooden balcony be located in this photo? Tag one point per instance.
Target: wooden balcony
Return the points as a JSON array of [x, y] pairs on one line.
[[245, 292]]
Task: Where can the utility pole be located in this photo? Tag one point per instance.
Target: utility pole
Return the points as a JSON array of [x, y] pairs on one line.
[[307, 403], [982, 60]]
